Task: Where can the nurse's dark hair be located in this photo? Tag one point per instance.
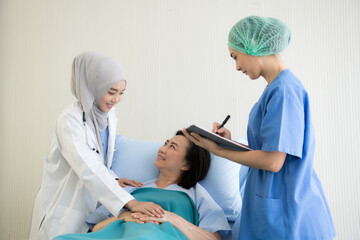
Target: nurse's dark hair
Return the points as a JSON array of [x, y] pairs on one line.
[[198, 159]]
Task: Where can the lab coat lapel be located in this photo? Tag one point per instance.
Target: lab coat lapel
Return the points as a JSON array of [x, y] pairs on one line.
[[111, 140]]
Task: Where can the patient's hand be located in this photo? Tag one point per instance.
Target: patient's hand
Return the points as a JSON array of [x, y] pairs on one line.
[[124, 182], [191, 231], [167, 217], [127, 216]]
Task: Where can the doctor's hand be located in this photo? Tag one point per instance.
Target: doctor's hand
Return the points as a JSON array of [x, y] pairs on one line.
[[200, 141], [148, 208], [223, 132], [124, 182]]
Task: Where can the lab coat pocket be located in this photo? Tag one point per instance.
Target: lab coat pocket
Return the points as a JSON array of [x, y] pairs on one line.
[[269, 219], [41, 222], [42, 231]]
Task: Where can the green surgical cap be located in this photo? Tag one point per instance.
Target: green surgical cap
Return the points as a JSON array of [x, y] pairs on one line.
[[259, 36]]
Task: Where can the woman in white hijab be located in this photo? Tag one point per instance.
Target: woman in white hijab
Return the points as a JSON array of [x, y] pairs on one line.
[[77, 175]]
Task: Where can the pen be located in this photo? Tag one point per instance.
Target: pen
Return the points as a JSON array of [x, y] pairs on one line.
[[223, 123]]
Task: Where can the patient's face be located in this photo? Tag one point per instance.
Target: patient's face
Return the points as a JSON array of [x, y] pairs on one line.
[[171, 156]]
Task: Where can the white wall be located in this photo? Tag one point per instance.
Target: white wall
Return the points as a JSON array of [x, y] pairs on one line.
[[180, 73]]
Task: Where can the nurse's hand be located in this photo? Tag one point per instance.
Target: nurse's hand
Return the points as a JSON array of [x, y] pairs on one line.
[[200, 141], [148, 208], [223, 132], [124, 182]]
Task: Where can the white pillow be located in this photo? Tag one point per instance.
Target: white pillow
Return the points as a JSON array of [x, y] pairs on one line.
[[222, 182], [135, 160]]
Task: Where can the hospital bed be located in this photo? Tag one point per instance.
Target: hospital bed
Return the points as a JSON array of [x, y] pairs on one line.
[[225, 180]]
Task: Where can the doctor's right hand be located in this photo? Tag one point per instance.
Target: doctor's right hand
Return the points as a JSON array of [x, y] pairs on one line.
[[223, 132], [148, 208], [124, 182]]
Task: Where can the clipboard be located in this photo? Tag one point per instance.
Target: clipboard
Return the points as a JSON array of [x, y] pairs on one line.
[[223, 142]]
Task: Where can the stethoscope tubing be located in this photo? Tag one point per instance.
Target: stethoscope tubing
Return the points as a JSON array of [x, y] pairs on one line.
[[87, 139]]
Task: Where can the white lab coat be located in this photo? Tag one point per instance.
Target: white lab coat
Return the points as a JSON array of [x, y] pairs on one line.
[[75, 178]]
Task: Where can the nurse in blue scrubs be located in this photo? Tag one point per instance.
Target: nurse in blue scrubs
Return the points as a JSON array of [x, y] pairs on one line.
[[283, 196]]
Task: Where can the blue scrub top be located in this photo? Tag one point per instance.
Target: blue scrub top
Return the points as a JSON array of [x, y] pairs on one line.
[[289, 204], [104, 136]]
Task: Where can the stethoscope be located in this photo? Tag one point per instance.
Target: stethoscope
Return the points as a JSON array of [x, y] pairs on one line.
[[87, 139]]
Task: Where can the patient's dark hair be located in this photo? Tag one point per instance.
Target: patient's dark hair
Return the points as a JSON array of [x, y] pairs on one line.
[[198, 159]]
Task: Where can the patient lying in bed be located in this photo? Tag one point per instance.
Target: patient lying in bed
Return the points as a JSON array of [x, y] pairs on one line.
[[191, 213]]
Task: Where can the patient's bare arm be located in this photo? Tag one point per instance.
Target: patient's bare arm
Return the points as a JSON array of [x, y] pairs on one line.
[[104, 223], [125, 216], [191, 231]]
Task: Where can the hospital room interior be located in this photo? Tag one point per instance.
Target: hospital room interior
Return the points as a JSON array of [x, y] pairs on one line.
[[175, 57]]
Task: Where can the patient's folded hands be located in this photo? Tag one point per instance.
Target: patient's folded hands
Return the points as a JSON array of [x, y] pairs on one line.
[[167, 217], [127, 217], [140, 218], [191, 231]]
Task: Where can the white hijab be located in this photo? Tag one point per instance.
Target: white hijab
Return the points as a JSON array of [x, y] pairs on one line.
[[92, 76]]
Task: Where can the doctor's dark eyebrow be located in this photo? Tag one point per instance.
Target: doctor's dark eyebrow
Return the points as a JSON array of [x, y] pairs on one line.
[[231, 55]]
